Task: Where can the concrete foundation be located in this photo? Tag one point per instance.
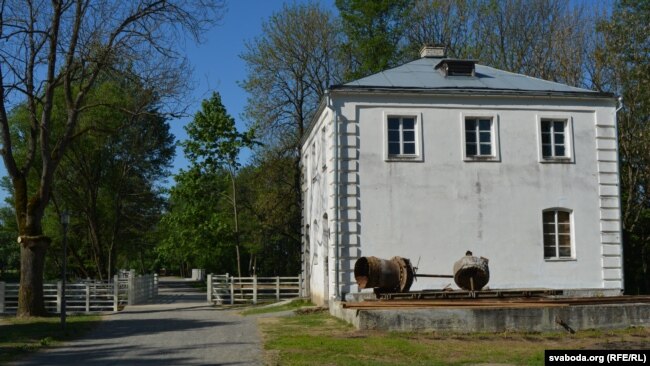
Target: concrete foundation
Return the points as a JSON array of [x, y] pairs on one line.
[[467, 320]]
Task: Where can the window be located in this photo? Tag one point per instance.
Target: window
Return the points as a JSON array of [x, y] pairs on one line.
[[403, 138], [478, 137], [557, 234], [554, 139]]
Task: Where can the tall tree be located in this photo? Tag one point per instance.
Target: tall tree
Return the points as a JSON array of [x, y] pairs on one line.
[[540, 38], [68, 44], [374, 31], [289, 69], [273, 221], [108, 180], [214, 145], [197, 230], [110, 183], [441, 22], [624, 60]]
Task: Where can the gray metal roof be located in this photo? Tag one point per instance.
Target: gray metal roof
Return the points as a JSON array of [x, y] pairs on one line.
[[420, 74]]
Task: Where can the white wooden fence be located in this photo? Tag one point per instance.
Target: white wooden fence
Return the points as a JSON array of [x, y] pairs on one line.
[[225, 289], [89, 296], [142, 288]]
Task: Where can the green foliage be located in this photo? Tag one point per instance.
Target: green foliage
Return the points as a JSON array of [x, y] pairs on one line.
[[9, 249], [273, 308], [319, 339], [202, 225], [374, 30], [109, 184], [271, 214], [107, 180], [214, 142], [290, 66], [197, 231]]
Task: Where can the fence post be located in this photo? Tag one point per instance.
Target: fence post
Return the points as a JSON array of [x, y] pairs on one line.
[[254, 289], [232, 290], [155, 284], [302, 290], [116, 292], [209, 288], [59, 291], [149, 279], [277, 288], [87, 297], [2, 297], [131, 291]]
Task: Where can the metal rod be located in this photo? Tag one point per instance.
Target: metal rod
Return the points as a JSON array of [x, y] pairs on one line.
[[434, 275]]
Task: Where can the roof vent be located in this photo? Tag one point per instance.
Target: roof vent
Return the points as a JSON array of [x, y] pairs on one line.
[[457, 67], [432, 51]]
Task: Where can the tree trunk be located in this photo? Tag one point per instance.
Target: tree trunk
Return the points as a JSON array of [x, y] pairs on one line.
[[32, 262], [235, 213]]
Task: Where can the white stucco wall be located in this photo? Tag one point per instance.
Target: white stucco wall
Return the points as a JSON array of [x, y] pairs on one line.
[[316, 153], [434, 210]]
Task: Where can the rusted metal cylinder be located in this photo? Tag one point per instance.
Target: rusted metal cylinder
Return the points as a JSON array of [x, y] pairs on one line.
[[394, 275], [471, 273]]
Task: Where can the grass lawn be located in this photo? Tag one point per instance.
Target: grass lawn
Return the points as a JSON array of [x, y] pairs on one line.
[[320, 339], [21, 336], [293, 305]]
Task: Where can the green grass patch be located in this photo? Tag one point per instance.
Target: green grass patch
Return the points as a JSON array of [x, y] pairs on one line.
[[320, 339], [293, 305], [22, 336]]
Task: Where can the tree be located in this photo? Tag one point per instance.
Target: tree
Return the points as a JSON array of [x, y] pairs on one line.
[[441, 22], [197, 230], [549, 39], [214, 145], [109, 183], [289, 69], [624, 60], [374, 31], [540, 38], [272, 220], [68, 45], [9, 253]]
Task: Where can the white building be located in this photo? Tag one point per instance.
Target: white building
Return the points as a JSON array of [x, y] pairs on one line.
[[439, 156]]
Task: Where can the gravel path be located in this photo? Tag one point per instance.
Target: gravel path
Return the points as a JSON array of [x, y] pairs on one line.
[[179, 329]]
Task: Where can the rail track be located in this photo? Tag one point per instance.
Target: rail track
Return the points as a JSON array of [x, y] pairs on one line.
[[487, 299]]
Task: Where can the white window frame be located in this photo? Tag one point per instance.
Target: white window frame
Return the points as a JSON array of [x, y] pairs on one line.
[[419, 150], [495, 155], [557, 256], [568, 139]]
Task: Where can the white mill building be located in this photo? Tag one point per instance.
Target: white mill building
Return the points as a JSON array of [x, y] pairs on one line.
[[439, 156]]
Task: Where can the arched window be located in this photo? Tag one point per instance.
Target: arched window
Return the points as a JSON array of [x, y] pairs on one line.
[[557, 233]]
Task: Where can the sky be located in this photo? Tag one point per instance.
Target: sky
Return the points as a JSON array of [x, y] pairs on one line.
[[217, 65]]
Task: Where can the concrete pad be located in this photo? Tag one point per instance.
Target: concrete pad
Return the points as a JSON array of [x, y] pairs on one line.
[[466, 320]]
